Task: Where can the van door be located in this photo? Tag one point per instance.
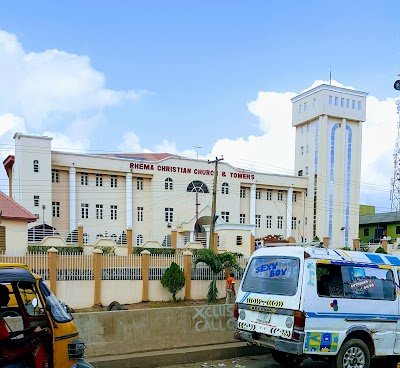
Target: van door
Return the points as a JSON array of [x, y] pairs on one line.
[[269, 295]]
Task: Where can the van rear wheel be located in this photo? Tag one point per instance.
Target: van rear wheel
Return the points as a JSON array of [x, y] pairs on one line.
[[286, 359], [354, 353]]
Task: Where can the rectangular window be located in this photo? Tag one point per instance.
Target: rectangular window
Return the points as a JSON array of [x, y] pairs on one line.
[[55, 176], [99, 211], [280, 222], [242, 218], [269, 194], [84, 178], [359, 105], [114, 181], [308, 148], [140, 213], [36, 200], [305, 221], [336, 101], [272, 275], [294, 198], [169, 214], [342, 102], [84, 210], [397, 230], [355, 282], [239, 240], [294, 223], [280, 195], [99, 180], [242, 192], [347, 103], [225, 216], [269, 222], [306, 170], [2, 238], [300, 173], [305, 106], [353, 104], [314, 102], [330, 100], [56, 209], [258, 220], [258, 193], [113, 209], [302, 150], [300, 108], [139, 183], [366, 230]]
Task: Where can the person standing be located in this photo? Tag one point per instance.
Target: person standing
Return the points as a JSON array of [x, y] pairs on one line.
[[230, 289]]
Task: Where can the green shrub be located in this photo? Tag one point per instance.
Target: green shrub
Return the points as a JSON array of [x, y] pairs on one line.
[[62, 250], [381, 250], [173, 279], [138, 250], [345, 248], [107, 249]]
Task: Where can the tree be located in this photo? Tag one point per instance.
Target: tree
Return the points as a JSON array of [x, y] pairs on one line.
[[173, 279], [217, 263]]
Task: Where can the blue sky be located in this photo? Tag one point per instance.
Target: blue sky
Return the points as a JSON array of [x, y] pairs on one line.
[[166, 76]]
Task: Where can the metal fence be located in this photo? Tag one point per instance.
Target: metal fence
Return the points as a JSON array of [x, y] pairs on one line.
[[38, 263]]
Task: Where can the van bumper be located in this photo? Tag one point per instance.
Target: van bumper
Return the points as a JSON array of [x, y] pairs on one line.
[[287, 346]]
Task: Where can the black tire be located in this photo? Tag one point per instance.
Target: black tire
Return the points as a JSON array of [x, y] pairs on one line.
[[353, 353], [286, 359], [114, 306]]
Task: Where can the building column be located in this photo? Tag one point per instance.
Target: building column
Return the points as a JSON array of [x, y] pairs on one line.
[[289, 211], [72, 198], [253, 207], [128, 198]]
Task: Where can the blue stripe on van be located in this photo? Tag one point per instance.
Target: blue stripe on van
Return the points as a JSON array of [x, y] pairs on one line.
[[393, 260], [244, 297], [354, 264], [367, 317], [375, 258]]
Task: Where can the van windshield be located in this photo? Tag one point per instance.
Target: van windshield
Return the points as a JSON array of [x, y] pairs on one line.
[[272, 275], [57, 311]]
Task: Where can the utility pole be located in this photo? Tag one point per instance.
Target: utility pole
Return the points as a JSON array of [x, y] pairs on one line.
[[214, 203]]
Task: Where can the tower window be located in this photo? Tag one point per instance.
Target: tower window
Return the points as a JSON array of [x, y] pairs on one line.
[[35, 166]]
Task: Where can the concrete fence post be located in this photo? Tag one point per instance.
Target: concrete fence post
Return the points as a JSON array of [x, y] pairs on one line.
[[97, 275], [80, 235], [356, 244], [385, 245], [215, 243], [52, 254], [187, 270], [145, 275], [129, 240], [325, 241], [174, 239]]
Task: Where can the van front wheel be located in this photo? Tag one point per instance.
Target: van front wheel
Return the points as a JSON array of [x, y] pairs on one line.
[[286, 359], [354, 353]]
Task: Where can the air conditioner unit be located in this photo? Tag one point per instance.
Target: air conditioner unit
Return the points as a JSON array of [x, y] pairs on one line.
[[169, 224]]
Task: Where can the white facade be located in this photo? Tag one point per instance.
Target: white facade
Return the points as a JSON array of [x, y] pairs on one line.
[[153, 194]]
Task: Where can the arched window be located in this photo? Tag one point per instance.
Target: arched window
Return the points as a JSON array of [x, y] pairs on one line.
[[35, 166], [139, 240], [168, 183], [225, 188], [139, 183], [197, 186]]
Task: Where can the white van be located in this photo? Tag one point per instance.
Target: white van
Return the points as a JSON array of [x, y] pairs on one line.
[[332, 305]]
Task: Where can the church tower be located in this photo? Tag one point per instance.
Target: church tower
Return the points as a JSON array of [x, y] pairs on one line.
[[328, 122]]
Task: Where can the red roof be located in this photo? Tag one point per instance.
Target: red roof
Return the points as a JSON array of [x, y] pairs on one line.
[[12, 210]]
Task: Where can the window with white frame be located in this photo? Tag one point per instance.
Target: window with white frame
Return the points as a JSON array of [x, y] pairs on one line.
[[169, 214], [300, 108], [305, 106], [269, 195], [36, 200], [99, 211], [347, 103], [330, 100], [242, 192], [239, 240], [294, 223], [225, 216], [84, 179], [342, 102], [314, 102], [353, 104], [269, 221], [56, 209], [258, 220], [55, 176], [140, 213], [139, 240], [168, 184], [225, 188], [35, 166], [359, 105], [305, 221], [242, 218], [306, 170], [84, 210], [114, 181], [113, 210], [139, 183], [302, 150], [85, 238], [280, 195], [336, 100], [280, 222], [294, 197], [99, 180], [258, 193]]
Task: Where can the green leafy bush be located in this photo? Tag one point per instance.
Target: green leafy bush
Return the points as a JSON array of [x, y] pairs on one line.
[[138, 250], [173, 279], [62, 250], [381, 250], [107, 249]]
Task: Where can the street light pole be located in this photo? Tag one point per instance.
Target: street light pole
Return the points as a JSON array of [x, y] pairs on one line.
[[43, 208], [214, 203]]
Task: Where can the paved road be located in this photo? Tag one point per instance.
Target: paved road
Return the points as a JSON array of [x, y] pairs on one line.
[[263, 361]]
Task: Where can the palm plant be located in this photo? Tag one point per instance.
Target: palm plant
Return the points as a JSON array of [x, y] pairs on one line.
[[217, 263]]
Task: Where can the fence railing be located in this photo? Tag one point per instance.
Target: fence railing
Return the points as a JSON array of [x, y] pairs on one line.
[[38, 263]]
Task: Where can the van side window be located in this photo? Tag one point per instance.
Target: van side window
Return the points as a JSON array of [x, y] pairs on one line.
[[329, 280]]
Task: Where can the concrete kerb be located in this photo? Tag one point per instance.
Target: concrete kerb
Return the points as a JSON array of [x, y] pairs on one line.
[[154, 359]]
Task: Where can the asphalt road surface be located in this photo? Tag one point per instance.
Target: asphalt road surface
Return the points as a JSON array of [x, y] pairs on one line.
[[262, 361]]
